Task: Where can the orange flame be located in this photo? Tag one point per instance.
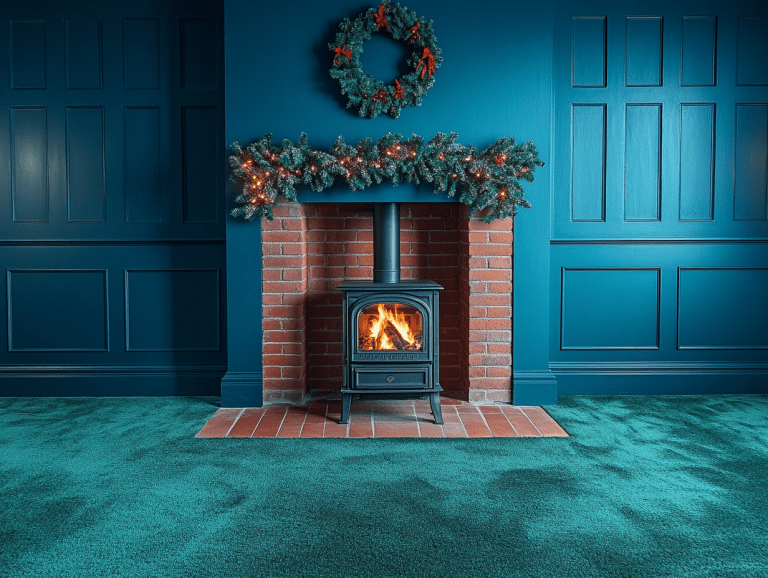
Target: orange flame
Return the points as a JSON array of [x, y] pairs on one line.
[[392, 316]]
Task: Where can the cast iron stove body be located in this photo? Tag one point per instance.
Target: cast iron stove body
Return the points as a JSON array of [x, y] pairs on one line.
[[390, 327]]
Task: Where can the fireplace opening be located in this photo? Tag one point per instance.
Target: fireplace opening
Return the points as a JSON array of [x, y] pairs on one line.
[[390, 326]]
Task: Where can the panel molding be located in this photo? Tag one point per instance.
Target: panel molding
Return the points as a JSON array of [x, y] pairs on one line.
[[563, 271], [578, 163], [750, 162], [534, 388], [126, 281], [661, 241], [70, 153], [631, 62], [603, 57], [98, 84], [28, 155], [686, 173], [9, 300], [697, 52], [680, 271], [634, 167], [35, 49]]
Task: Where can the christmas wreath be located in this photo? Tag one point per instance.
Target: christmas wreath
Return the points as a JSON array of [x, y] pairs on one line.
[[365, 92], [483, 179]]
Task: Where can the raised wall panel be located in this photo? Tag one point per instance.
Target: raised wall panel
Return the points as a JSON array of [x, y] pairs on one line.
[[200, 159], [644, 51], [57, 310], [141, 166], [199, 54], [27, 53], [588, 57], [642, 163], [84, 53], [722, 308], [697, 162], [609, 308], [86, 201], [751, 162], [141, 53], [699, 60], [588, 140], [159, 306], [751, 67], [29, 164]]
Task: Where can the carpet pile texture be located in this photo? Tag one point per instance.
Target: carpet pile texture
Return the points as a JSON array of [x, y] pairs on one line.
[[645, 486]]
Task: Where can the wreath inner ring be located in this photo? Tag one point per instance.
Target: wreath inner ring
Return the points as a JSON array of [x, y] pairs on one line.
[[371, 96]]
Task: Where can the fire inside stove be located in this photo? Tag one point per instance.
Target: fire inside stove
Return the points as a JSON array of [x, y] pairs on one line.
[[390, 326]]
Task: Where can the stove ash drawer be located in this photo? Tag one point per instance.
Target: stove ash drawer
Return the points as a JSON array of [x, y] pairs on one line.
[[382, 377]]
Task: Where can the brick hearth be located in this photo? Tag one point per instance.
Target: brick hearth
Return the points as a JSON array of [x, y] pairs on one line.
[[310, 249]]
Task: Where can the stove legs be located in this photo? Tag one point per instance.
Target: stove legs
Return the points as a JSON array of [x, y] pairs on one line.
[[346, 402], [434, 402]]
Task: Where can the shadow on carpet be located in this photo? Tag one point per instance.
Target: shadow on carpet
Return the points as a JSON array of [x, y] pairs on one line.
[[645, 486]]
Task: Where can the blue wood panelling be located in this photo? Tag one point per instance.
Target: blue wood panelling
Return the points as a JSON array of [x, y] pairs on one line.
[[685, 195], [142, 165], [86, 192], [609, 309], [93, 185], [29, 164], [58, 310], [751, 69], [84, 53], [158, 306], [201, 159], [644, 51], [751, 163], [588, 56], [699, 59], [588, 162], [642, 162], [697, 162], [199, 46], [27, 53], [141, 53], [704, 319]]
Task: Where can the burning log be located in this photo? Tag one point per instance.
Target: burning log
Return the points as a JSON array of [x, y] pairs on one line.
[[395, 337]]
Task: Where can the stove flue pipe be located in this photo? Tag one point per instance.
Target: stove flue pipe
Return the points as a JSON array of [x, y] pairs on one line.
[[386, 242]]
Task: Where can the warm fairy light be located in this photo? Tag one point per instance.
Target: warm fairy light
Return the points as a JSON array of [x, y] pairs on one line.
[[389, 154], [267, 173], [469, 158], [477, 174], [314, 168], [258, 182], [454, 175], [503, 193], [398, 147], [441, 156]]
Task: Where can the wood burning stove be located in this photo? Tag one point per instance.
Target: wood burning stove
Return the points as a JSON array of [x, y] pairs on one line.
[[390, 327]]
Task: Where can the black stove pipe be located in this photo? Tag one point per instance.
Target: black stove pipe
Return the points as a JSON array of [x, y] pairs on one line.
[[386, 242]]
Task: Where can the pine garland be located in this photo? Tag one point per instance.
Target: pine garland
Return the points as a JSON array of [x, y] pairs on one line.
[[365, 92], [483, 179]]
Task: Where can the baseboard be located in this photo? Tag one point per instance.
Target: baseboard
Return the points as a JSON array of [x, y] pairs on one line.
[[110, 381], [242, 389], [534, 388], [687, 378]]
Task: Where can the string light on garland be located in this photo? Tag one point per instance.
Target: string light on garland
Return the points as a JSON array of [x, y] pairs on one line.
[[371, 96], [491, 181]]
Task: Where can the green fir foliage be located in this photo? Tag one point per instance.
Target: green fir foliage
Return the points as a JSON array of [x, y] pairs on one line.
[[370, 96], [487, 180]]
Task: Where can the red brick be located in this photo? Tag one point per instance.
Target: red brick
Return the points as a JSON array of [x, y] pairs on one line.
[[220, 423], [271, 324], [284, 237], [499, 287], [501, 371], [478, 238], [477, 359], [270, 348], [295, 224], [271, 274], [324, 223], [499, 312], [520, 422], [490, 324], [489, 250], [294, 249], [270, 422], [500, 262], [489, 275], [271, 249], [275, 262], [505, 238], [486, 300], [294, 274], [287, 210], [543, 422]]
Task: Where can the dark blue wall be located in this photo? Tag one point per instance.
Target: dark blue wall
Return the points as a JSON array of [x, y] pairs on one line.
[[112, 254], [494, 82]]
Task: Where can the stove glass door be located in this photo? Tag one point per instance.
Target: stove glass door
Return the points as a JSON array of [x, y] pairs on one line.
[[390, 327]]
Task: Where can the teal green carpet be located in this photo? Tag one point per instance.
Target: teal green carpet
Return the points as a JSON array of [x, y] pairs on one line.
[[646, 486]]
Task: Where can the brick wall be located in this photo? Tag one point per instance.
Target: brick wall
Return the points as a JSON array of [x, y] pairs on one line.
[[312, 248]]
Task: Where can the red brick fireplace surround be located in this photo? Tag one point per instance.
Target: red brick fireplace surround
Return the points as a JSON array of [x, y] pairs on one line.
[[309, 249]]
